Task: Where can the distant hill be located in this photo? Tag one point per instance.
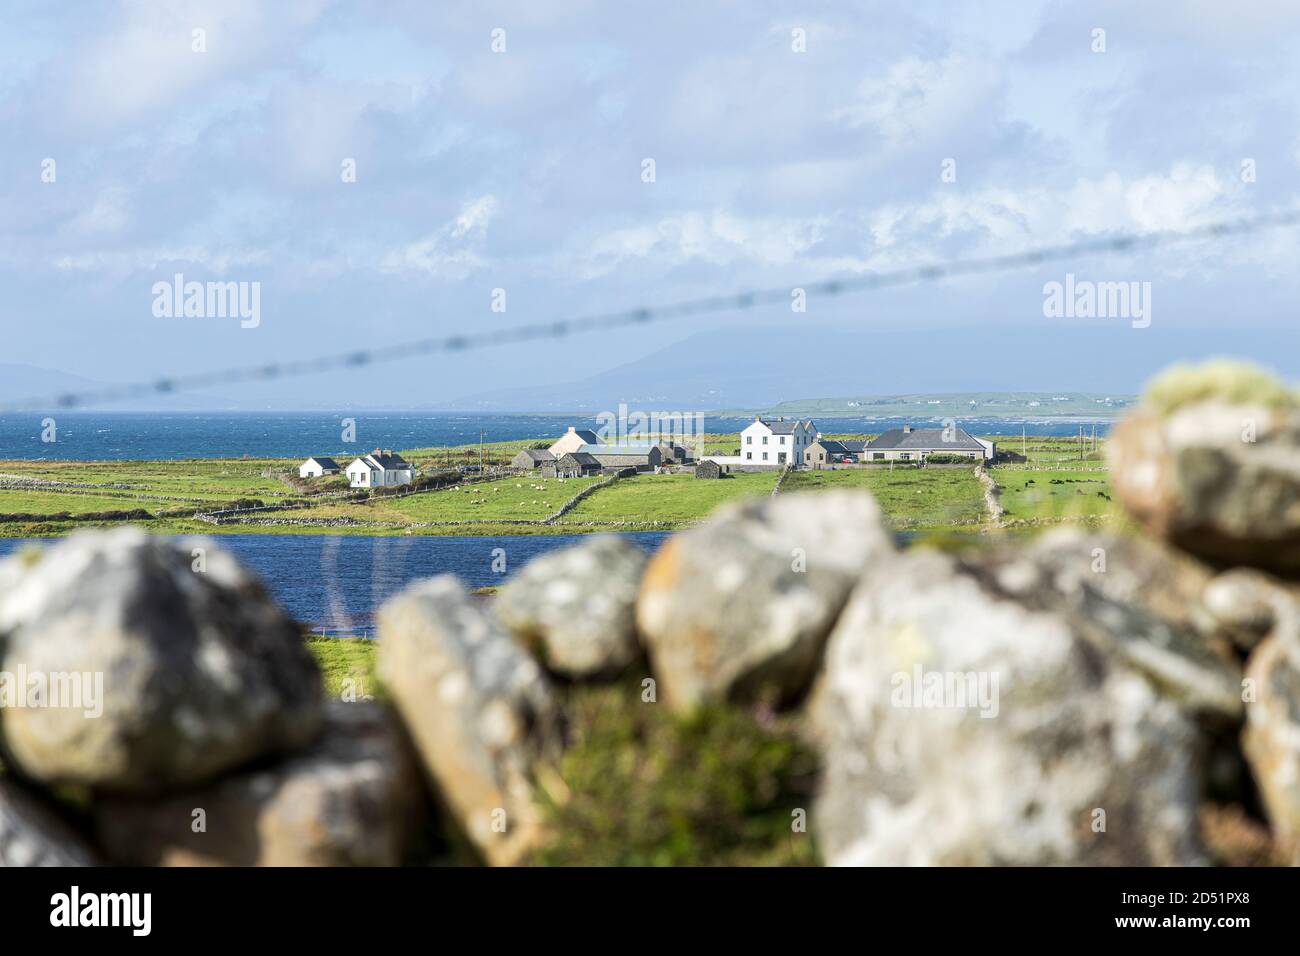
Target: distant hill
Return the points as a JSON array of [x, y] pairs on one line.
[[1017, 405], [19, 383], [761, 368]]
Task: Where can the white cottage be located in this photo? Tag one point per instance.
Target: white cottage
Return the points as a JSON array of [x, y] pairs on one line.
[[318, 468], [380, 469]]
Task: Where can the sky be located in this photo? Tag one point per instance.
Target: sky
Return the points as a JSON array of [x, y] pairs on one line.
[[503, 146]]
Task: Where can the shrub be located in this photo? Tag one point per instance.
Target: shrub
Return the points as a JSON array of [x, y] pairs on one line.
[[641, 787]]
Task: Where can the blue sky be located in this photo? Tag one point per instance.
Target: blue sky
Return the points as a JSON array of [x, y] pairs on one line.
[[521, 170]]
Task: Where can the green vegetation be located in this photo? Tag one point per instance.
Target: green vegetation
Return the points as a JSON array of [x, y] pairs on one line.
[[1223, 379], [344, 659], [675, 499], [911, 498], [200, 480], [638, 786], [1033, 495], [25, 501]]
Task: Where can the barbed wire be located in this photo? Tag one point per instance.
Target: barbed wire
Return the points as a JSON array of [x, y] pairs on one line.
[[562, 328]]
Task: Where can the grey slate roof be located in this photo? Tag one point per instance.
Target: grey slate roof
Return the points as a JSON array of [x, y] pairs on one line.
[[781, 428], [587, 435], [832, 446], [387, 462], [537, 454], [854, 446], [606, 461], [617, 449], [580, 458], [926, 439], [324, 462]]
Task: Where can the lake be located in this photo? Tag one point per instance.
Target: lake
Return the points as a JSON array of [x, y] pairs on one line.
[[335, 583]]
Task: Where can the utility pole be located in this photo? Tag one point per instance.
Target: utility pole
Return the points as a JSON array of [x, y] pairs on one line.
[[480, 451], [1024, 443]]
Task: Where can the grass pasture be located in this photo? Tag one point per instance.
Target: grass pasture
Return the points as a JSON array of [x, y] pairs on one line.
[[1057, 494], [673, 499], [911, 498]]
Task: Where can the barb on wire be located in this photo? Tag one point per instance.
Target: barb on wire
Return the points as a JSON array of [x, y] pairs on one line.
[[562, 328]]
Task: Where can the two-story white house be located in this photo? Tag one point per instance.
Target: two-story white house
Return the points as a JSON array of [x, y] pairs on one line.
[[380, 469], [776, 442]]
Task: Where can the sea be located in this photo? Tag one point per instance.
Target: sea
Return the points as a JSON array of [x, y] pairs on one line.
[[137, 436]]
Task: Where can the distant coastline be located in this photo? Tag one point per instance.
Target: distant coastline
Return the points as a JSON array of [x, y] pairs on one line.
[[175, 436]]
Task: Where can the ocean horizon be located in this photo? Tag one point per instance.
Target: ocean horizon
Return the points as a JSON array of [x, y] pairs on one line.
[[174, 436]]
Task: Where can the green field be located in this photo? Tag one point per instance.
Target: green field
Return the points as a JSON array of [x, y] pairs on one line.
[[196, 479], [1057, 494], [930, 498], [675, 499], [1059, 482], [347, 665]]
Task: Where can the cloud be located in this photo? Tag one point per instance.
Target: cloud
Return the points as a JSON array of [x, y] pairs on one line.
[[918, 99], [717, 238], [147, 57], [451, 252]]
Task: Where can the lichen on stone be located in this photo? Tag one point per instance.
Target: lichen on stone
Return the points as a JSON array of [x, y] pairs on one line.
[[1226, 380]]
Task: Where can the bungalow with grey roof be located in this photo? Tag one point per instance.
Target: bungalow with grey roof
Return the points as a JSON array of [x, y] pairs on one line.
[[318, 468], [825, 451], [917, 444]]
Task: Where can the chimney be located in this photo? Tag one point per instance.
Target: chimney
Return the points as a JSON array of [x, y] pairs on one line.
[[572, 429], [907, 429]]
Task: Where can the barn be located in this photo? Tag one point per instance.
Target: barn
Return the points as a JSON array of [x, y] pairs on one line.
[[576, 464], [531, 459]]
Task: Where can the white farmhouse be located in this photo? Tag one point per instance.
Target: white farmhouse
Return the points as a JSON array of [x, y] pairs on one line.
[[573, 440], [318, 468], [380, 469], [776, 442]]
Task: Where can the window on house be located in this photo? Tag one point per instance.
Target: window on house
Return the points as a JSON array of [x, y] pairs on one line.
[[749, 454], [782, 439], [749, 439], [764, 439], [765, 456]]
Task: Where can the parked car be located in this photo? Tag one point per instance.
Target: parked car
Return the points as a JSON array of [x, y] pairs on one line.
[[848, 460]]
